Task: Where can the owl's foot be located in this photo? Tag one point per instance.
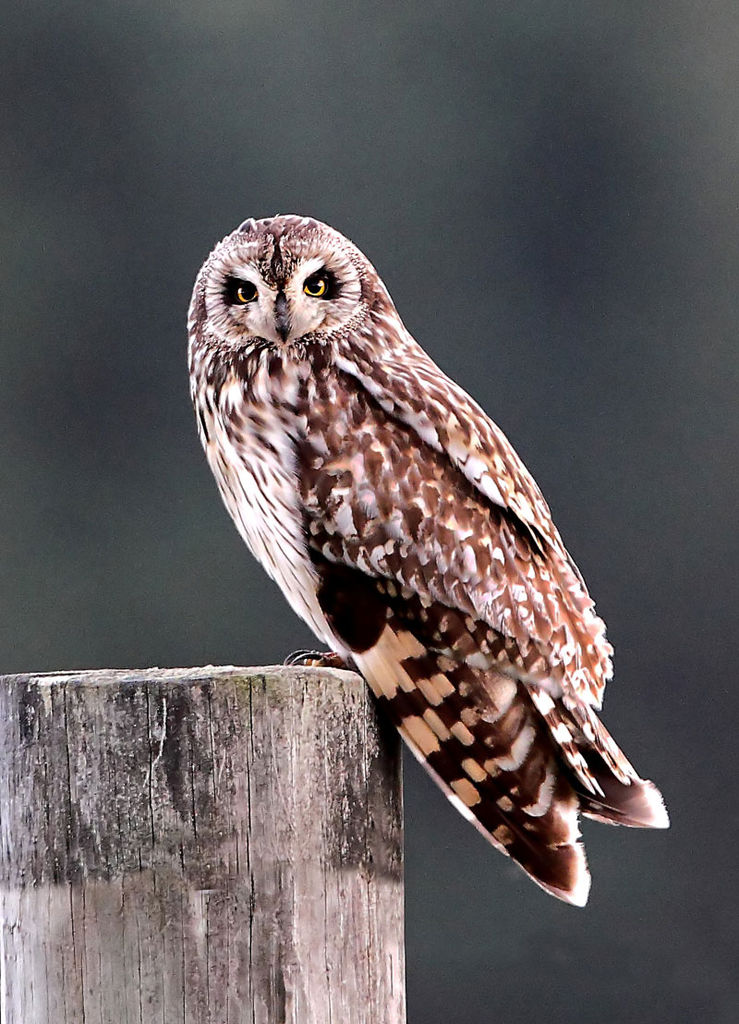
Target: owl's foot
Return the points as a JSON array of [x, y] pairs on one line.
[[315, 659]]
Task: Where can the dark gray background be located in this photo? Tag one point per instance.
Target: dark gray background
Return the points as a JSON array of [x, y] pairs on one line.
[[549, 191]]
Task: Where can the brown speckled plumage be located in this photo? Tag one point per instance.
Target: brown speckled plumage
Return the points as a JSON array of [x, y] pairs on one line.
[[402, 526]]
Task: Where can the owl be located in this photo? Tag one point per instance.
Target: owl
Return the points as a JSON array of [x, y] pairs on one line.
[[404, 529]]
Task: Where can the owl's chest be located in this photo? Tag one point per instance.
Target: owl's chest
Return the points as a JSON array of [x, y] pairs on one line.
[[250, 439]]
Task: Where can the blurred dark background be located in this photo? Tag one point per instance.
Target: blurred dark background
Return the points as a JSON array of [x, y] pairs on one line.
[[549, 190]]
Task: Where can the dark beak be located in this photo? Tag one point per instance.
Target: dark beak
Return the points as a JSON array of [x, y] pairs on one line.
[[282, 316]]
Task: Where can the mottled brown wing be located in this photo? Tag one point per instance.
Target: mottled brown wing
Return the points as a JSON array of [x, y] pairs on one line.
[[451, 610], [380, 498], [543, 582]]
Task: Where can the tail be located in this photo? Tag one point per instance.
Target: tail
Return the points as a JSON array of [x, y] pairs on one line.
[[607, 784], [484, 745], [638, 805], [519, 771]]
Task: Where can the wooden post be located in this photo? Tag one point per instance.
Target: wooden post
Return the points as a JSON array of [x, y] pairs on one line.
[[198, 846]]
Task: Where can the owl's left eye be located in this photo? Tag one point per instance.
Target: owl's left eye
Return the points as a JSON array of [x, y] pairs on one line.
[[317, 285], [240, 292]]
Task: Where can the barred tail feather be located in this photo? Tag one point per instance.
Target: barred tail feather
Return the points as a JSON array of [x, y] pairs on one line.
[[494, 761], [608, 785], [638, 804], [514, 760]]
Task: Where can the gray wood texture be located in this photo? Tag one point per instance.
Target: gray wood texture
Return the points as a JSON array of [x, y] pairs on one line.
[[214, 845]]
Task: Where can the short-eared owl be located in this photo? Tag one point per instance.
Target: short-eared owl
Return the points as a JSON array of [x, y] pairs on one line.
[[402, 526]]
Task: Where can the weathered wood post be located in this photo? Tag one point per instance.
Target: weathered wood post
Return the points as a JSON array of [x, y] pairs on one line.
[[211, 845]]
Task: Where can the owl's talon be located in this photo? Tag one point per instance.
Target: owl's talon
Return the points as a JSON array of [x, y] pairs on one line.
[[315, 659]]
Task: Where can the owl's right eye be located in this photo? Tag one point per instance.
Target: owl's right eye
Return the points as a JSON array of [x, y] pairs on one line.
[[239, 292]]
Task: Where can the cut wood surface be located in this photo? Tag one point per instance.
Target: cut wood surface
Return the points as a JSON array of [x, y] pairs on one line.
[[185, 846]]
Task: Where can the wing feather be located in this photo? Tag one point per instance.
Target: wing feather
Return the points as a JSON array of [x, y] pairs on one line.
[[475, 731], [383, 493]]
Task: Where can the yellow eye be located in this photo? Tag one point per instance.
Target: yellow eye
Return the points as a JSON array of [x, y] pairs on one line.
[[240, 292], [316, 285], [246, 292]]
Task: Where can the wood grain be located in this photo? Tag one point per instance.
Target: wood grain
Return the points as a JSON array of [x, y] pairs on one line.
[[185, 846]]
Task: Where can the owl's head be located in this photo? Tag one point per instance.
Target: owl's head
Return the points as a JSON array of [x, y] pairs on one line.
[[282, 280]]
